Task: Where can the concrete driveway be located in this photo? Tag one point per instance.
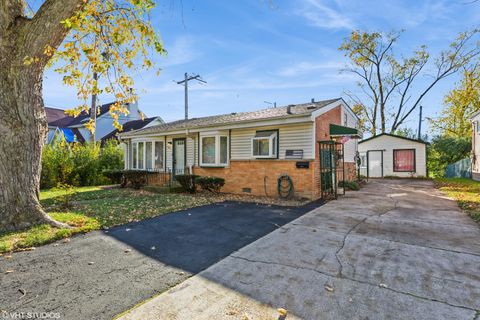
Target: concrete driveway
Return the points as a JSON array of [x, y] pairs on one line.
[[101, 274], [397, 249]]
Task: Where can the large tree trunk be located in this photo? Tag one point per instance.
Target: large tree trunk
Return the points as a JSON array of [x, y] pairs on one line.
[[23, 128], [23, 123]]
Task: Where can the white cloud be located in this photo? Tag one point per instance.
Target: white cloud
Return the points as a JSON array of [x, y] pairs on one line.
[[323, 16], [305, 67], [181, 51]]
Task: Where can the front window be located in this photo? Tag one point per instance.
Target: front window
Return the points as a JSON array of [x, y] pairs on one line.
[[214, 150], [208, 150], [265, 144], [148, 155], [404, 160]]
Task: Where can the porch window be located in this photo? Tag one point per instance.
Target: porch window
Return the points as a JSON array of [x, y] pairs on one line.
[[214, 150], [404, 160], [265, 144], [148, 155]]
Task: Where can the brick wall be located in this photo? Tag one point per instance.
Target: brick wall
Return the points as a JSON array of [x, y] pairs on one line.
[[260, 176]]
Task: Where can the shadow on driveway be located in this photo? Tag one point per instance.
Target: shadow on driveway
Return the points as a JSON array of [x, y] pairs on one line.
[[194, 239], [96, 276]]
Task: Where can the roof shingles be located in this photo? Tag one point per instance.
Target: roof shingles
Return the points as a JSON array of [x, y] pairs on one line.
[[225, 119]]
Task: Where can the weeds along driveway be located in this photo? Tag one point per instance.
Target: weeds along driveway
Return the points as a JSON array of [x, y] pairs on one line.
[[103, 273]]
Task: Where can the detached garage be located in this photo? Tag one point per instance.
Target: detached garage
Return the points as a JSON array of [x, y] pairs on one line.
[[391, 155]]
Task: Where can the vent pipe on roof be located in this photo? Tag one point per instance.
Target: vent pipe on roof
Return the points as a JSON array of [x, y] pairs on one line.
[[289, 109], [313, 100]]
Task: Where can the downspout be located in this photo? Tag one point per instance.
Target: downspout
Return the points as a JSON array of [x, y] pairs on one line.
[[190, 167]]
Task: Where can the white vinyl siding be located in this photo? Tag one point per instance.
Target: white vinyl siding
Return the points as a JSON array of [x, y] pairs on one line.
[[476, 147], [291, 137], [350, 147], [388, 144]]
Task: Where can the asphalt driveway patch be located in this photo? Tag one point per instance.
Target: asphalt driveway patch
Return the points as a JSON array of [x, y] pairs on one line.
[[100, 274]]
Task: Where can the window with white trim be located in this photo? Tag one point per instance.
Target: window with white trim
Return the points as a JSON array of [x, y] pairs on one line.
[[148, 155], [265, 144], [214, 149]]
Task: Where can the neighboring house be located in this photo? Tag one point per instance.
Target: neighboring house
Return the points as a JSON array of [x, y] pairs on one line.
[[391, 155], [251, 150], [476, 146], [73, 128]]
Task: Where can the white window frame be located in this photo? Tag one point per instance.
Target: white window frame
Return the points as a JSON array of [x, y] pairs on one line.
[[144, 154], [271, 146], [217, 136]]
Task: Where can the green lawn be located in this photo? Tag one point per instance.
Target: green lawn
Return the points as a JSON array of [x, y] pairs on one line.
[[93, 208], [465, 191]]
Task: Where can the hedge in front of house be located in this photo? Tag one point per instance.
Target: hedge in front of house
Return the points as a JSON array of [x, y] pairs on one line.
[[187, 181], [212, 184], [116, 176], [136, 178]]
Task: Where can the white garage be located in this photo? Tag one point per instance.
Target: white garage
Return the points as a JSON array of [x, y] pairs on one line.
[[391, 155]]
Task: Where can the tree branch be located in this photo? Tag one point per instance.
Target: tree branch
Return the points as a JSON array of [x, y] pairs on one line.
[[45, 28]]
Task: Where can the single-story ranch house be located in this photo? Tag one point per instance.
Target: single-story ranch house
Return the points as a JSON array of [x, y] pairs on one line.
[[392, 155], [251, 150]]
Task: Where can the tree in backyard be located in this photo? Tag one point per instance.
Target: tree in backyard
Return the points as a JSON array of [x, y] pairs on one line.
[[445, 150], [388, 90], [460, 105], [77, 37]]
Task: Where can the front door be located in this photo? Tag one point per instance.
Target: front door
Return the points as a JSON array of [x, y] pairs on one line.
[[375, 163], [179, 151]]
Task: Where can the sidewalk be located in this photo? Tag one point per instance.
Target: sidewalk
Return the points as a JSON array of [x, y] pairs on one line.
[[395, 250]]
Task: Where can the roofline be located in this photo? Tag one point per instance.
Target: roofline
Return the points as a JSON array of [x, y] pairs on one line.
[[138, 132], [395, 136]]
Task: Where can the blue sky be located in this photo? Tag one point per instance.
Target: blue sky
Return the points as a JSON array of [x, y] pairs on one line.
[[253, 51]]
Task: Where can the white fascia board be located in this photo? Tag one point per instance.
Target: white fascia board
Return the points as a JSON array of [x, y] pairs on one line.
[[333, 105]]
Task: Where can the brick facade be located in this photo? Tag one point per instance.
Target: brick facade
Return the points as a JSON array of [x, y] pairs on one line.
[[260, 176]]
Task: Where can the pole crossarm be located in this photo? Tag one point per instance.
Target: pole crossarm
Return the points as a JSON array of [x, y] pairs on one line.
[[185, 84]]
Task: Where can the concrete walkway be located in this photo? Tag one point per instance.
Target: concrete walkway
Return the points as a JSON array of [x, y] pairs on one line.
[[397, 249]]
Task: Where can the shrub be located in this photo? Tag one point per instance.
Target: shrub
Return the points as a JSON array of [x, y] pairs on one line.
[[349, 185], [115, 176], [79, 164], [187, 181], [136, 178], [212, 184]]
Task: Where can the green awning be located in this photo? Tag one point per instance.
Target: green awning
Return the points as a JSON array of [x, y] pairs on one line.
[[341, 131]]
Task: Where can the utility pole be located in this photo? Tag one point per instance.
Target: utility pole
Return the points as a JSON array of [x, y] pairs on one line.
[[420, 124], [93, 110], [270, 103], [185, 84]]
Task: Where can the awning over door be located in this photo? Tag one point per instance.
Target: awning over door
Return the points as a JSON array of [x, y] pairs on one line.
[[341, 131]]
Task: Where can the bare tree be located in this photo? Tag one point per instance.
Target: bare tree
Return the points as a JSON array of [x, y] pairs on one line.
[[386, 83]]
